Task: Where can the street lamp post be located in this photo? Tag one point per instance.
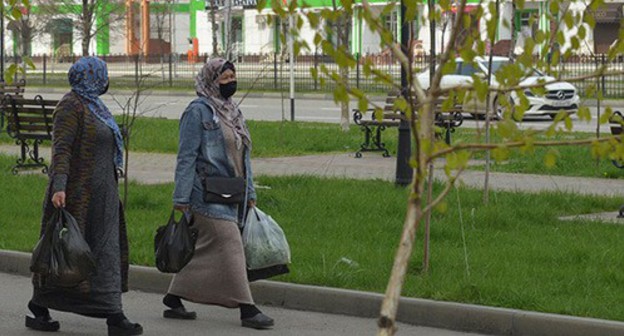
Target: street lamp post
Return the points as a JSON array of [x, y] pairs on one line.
[[2, 42], [403, 170]]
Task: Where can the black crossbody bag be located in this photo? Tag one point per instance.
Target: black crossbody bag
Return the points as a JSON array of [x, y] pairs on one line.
[[228, 190]]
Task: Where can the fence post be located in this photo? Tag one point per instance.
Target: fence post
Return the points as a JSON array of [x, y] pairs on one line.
[[136, 70], [602, 77], [45, 67], [316, 68], [275, 70], [170, 71], [357, 70]]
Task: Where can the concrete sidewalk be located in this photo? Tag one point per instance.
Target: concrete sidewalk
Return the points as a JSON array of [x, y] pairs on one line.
[[153, 168]]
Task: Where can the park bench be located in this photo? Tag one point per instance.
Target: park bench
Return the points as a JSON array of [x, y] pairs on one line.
[[29, 122], [448, 120], [16, 88]]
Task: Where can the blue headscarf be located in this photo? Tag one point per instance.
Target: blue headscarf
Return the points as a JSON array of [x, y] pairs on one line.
[[88, 78]]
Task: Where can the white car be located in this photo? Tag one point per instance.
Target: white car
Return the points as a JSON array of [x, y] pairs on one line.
[[560, 96]]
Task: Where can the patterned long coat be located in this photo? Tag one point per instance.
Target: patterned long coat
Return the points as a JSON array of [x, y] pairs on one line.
[[73, 137]]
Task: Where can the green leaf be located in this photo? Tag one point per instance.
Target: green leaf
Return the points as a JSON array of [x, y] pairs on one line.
[[550, 159], [554, 7], [500, 153], [314, 20], [604, 118], [363, 104], [442, 207], [569, 20], [568, 122], [583, 113], [582, 32], [10, 72], [29, 62]]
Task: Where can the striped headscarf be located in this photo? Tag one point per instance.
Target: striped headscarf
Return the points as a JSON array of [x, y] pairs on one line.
[[207, 85], [88, 78]]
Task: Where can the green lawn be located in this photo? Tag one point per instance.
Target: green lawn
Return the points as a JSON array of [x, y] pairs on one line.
[[344, 233]]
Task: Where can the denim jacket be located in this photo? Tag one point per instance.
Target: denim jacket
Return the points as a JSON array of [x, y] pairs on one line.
[[202, 149]]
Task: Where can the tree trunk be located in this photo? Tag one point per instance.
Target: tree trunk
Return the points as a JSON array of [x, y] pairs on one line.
[[228, 29], [390, 303], [512, 43], [86, 27], [413, 217], [213, 22]]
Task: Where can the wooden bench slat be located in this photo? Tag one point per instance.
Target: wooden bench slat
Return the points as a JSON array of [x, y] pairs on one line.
[[27, 102], [35, 110], [31, 120], [35, 127]]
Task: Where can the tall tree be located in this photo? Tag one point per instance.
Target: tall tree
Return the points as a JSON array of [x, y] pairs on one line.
[[89, 17], [213, 26], [16, 15], [340, 25]]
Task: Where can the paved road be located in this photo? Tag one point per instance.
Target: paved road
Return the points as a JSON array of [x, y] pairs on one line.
[[146, 309], [273, 108]]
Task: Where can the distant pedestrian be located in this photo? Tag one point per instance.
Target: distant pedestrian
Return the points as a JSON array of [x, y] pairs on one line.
[[214, 142], [86, 154]]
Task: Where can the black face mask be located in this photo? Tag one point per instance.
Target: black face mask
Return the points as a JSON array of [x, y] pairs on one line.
[[227, 90]]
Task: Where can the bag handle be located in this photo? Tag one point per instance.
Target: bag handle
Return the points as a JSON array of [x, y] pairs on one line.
[[187, 215]]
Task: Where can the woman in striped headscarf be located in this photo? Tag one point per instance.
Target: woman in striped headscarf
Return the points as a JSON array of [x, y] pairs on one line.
[[214, 142], [86, 155]]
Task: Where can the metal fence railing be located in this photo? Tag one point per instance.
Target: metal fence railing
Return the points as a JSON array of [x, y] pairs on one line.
[[269, 73]]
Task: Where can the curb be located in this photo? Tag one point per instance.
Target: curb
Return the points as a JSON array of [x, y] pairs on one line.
[[422, 312]]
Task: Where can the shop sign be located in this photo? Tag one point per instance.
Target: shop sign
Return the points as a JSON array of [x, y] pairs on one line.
[[235, 3]]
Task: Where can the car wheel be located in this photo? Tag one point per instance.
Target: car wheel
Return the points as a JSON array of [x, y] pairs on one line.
[[498, 109]]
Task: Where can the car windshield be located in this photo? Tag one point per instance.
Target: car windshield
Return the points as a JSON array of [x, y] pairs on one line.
[[497, 65]]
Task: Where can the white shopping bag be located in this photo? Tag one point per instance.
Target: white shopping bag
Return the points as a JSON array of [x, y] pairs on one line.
[[264, 241]]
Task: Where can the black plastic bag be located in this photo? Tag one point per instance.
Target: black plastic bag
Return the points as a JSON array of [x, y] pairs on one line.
[[174, 244], [62, 255]]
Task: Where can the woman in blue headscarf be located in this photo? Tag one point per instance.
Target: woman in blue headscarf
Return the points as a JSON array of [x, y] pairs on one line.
[[87, 150]]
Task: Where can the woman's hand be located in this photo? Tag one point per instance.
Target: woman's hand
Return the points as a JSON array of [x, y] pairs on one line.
[[251, 203], [58, 199]]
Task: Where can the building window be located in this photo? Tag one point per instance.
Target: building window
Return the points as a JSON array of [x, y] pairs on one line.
[[62, 37], [526, 24], [391, 24]]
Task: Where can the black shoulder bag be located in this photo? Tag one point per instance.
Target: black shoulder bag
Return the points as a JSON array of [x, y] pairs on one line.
[[228, 190]]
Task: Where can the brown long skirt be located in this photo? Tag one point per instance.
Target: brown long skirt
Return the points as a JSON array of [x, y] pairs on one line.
[[217, 273]]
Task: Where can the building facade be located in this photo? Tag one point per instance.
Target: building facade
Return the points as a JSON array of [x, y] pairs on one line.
[[177, 26]]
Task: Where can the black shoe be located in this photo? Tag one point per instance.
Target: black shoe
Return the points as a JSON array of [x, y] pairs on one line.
[[259, 321], [125, 328], [42, 323], [179, 313]]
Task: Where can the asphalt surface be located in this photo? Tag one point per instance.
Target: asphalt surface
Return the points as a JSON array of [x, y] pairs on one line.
[[146, 309], [308, 107]]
